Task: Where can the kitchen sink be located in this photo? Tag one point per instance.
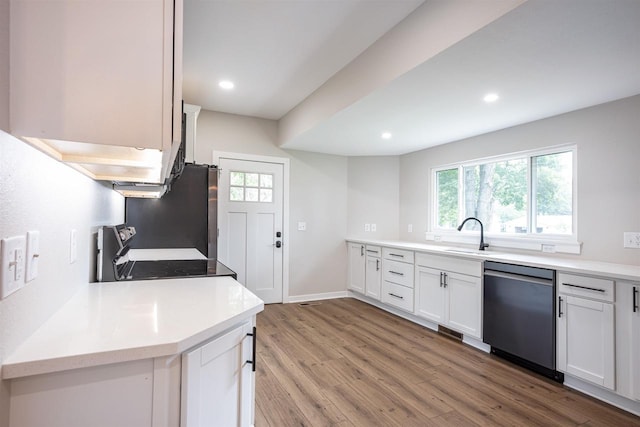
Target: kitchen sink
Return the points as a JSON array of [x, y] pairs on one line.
[[463, 251]]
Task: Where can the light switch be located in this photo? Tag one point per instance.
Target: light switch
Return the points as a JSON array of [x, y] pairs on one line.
[[373, 227], [12, 265], [367, 227], [73, 246], [33, 254], [302, 226]]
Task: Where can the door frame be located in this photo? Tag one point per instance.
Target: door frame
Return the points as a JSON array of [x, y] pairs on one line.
[[284, 161]]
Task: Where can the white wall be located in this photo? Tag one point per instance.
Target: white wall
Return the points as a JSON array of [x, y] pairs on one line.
[[607, 137], [373, 196], [39, 193], [318, 196], [4, 64]]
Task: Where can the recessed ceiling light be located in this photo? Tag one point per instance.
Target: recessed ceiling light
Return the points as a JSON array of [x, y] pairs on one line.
[[226, 84], [386, 135], [491, 97]]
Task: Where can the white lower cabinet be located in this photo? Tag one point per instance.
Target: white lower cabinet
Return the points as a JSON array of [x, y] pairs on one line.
[[397, 278], [210, 385], [628, 339], [357, 263], [373, 273], [218, 381], [447, 297], [585, 329]]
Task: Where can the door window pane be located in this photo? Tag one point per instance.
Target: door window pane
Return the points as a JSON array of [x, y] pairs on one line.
[[236, 194], [266, 180], [251, 194], [236, 178], [251, 179], [266, 195]]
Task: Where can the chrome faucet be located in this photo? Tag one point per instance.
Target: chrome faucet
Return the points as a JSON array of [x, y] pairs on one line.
[[482, 243]]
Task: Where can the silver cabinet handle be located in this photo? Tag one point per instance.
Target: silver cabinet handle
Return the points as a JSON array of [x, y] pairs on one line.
[[584, 287], [446, 281], [377, 265], [635, 299], [396, 273], [441, 281], [361, 250], [398, 255], [395, 296], [371, 251]]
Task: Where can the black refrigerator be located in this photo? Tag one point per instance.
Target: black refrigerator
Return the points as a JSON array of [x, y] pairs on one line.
[[185, 217]]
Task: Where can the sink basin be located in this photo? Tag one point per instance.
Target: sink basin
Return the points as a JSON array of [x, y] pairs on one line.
[[463, 251]]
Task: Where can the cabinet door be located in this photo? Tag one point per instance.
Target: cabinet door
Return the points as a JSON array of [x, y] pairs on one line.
[[373, 277], [635, 342], [628, 339], [356, 267], [109, 70], [586, 340], [430, 294], [465, 304], [218, 383]]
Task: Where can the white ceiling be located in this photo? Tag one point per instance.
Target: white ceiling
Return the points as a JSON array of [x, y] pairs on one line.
[[544, 58], [276, 52]]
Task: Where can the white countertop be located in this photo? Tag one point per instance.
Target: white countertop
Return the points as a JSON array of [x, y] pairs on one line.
[[121, 321], [597, 268], [164, 254]]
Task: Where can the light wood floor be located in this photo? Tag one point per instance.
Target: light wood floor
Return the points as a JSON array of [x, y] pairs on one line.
[[345, 363]]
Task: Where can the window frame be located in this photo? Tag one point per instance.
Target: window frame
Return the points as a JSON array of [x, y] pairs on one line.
[[563, 243]]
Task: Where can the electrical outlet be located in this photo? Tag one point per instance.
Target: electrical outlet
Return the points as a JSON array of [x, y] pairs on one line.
[[550, 249], [632, 239], [11, 265], [367, 227], [410, 228], [373, 227], [302, 226]]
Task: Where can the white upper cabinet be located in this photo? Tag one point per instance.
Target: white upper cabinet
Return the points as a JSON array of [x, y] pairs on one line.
[[98, 84]]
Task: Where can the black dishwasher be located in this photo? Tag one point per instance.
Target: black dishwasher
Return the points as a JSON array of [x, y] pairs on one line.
[[519, 316]]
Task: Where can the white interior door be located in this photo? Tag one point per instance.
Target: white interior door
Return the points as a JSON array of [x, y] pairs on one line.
[[250, 223]]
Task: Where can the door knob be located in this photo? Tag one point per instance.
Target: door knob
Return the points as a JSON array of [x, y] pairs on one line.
[[278, 244], [278, 234]]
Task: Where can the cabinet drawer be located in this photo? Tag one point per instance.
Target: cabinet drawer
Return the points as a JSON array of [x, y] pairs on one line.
[[397, 255], [400, 273], [587, 287], [373, 250], [450, 263], [397, 296]]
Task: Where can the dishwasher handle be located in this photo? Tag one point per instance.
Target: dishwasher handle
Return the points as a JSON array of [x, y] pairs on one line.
[[519, 277]]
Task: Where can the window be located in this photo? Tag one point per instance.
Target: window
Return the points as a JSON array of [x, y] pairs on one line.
[[527, 194], [250, 187]]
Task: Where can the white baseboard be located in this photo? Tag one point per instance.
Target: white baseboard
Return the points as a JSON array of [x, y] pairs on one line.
[[316, 297], [415, 319], [602, 394]]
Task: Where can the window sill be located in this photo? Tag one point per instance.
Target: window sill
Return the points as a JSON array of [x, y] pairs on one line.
[[535, 244]]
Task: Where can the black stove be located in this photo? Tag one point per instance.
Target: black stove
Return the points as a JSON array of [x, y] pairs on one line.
[[113, 263], [142, 270]]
